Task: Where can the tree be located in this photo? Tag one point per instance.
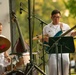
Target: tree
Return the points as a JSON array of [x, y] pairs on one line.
[[71, 5]]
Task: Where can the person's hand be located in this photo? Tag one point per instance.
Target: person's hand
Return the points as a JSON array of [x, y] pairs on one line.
[[73, 33], [46, 38], [42, 38], [8, 59]]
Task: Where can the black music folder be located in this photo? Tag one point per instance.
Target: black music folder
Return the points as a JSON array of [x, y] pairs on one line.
[[67, 44]]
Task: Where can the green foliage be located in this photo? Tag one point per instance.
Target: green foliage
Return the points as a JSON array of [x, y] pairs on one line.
[[42, 9], [71, 5]]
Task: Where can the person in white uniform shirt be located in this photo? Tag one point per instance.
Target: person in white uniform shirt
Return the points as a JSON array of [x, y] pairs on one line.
[[3, 56], [50, 30]]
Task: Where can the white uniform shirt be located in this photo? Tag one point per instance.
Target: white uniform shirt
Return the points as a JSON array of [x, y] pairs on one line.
[[51, 29], [2, 59]]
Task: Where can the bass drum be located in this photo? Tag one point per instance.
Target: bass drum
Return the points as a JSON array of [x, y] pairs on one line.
[[19, 72]]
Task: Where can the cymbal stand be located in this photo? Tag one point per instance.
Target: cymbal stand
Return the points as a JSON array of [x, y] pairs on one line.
[[42, 22], [31, 65]]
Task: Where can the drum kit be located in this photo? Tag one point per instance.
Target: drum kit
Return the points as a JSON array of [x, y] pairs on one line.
[[19, 65], [20, 62]]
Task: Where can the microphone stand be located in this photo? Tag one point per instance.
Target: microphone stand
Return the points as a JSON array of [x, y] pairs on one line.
[[34, 16], [42, 22], [31, 64]]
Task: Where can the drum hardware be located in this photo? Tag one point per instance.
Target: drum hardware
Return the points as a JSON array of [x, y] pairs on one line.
[[13, 68], [39, 37], [12, 65], [19, 72], [21, 60], [8, 68], [32, 65], [39, 51], [43, 44]]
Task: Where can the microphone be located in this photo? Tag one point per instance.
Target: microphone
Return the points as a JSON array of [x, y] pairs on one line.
[[20, 8]]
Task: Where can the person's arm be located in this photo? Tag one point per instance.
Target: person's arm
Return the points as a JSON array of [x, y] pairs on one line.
[[73, 33], [6, 55]]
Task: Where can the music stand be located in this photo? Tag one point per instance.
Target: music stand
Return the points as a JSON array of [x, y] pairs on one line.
[[61, 45], [66, 42]]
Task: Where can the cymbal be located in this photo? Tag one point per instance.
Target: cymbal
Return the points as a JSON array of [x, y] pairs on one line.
[[39, 37], [4, 44]]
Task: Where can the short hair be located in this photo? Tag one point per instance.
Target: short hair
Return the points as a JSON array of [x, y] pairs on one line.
[[55, 12], [0, 23]]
